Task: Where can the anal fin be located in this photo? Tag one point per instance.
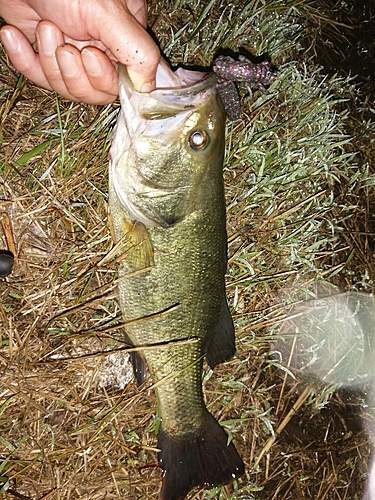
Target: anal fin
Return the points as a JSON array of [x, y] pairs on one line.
[[138, 362], [221, 343]]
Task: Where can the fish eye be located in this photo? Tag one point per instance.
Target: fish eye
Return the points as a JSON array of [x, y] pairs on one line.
[[198, 139]]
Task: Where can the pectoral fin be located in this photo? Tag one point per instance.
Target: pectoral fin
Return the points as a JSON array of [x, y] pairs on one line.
[[221, 344], [138, 252]]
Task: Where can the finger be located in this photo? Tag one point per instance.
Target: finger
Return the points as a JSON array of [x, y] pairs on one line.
[[138, 8], [21, 15], [49, 38], [129, 42], [142, 72], [63, 67], [100, 70], [22, 55], [77, 81]]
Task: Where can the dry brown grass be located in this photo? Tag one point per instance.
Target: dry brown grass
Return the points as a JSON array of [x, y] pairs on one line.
[[71, 427]]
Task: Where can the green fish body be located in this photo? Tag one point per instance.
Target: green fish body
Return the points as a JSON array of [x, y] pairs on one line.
[[167, 208]]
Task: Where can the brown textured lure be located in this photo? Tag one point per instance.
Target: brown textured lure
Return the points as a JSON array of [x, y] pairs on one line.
[[229, 71]]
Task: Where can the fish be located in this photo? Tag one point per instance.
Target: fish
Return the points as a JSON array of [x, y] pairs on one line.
[[167, 207]]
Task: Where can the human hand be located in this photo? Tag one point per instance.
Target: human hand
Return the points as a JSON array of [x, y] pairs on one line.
[[78, 44]]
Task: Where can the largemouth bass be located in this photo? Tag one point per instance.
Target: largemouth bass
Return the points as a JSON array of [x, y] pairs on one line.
[[166, 199]]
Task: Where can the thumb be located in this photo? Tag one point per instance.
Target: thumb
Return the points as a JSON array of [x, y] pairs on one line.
[[130, 44]]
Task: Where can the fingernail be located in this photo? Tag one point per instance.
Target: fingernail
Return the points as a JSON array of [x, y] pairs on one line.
[[48, 40], [148, 87], [139, 83], [10, 41], [68, 63], [92, 63]]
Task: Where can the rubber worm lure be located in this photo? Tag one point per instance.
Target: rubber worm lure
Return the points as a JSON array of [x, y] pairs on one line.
[[229, 71]]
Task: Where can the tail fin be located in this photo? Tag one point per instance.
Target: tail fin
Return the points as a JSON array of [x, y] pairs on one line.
[[202, 458]]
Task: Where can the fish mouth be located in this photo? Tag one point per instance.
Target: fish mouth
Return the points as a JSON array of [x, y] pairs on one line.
[[189, 91], [161, 111]]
